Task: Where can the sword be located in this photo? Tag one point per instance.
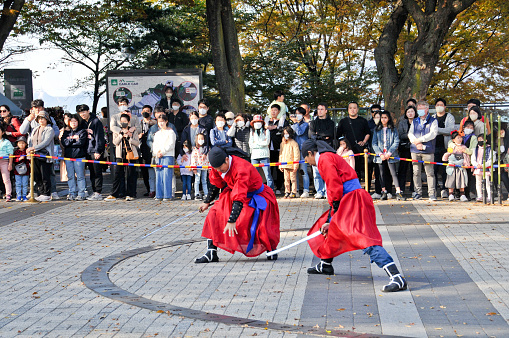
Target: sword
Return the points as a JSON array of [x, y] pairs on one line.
[[302, 240]]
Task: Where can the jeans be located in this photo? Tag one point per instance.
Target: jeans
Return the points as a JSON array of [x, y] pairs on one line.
[[305, 176], [430, 173], [78, 168], [319, 183], [186, 184], [266, 170], [378, 255], [201, 176], [22, 182], [164, 177]]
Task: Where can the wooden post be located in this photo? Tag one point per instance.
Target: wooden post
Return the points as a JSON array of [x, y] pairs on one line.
[[32, 199]]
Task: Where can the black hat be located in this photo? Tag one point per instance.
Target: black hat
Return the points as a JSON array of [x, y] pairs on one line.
[[318, 145], [217, 157]]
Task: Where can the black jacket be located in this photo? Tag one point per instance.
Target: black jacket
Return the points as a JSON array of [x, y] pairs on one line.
[[180, 121], [75, 148], [276, 135], [186, 136], [320, 129], [96, 141], [206, 122]]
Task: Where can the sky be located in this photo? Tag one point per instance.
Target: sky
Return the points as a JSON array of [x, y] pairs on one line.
[[52, 79]]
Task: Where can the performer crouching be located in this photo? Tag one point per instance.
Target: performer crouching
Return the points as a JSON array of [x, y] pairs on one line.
[[350, 223], [245, 218]]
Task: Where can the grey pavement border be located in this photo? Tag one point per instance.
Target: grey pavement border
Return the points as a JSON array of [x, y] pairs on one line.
[[97, 279]]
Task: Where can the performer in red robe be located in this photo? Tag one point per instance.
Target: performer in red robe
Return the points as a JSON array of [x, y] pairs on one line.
[[350, 223], [245, 218]]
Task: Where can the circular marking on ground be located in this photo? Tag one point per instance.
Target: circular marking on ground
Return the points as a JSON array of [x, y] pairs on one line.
[[96, 278]]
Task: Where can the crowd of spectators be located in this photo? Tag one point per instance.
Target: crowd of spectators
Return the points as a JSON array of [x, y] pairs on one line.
[[166, 135]]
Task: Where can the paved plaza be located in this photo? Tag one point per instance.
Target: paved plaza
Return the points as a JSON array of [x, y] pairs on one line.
[[85, 269]]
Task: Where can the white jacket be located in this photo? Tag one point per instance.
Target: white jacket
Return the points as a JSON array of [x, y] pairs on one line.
[[259, 144], [164, 141]]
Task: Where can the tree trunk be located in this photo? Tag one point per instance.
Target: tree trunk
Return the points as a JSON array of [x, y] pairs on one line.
[[225, 50], [8, 17], [420, 56]]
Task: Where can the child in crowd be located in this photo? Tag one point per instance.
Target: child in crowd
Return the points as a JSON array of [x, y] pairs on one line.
[[199, 158], [21, 170], [186, 173], [346, 150], [482, 152], [289, 152], [6, 150], [457, 176]]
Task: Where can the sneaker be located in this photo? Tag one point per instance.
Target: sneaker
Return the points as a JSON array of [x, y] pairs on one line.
[[384, 196], [25, 199], [432, 198], [110, 198], [463, 198], [305, 194], [158, 199], [188, 196], [167, 199], [80, 198], [287, 195], [43, 198], [413, 194], [445, 193], [129, 198], [54, 196], [95, 197], [184, 197], [70, 198], [293, 196], [152, 194], [278, 192], [197, 197], [389, 196], [417, 196], [376, 196], [318, 196], [399, 197], [18, 199], [451, 197], [8, 198], [478, 199]]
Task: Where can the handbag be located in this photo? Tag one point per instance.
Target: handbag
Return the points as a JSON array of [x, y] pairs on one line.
[[21, 168], [129, 153]]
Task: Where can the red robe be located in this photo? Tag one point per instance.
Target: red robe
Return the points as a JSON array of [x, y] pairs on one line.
[[353, 226], [242, 178]]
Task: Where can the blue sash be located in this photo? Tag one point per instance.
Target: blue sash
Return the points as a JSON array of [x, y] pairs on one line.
[[258, 203], [351, 185], [348, 186]]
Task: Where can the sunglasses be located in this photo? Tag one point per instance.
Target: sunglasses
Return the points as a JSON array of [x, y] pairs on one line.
[[3, 111]]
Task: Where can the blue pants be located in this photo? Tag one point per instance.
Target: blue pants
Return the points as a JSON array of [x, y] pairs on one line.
[[378, 255], [78, 168], [305, 176], [164, 177], [22, 182], [201, 176], [319, 183], [266, 170], [186, 180]]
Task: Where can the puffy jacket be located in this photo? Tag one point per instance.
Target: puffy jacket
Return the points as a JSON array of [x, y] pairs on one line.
[[259, 144], [75, 148]]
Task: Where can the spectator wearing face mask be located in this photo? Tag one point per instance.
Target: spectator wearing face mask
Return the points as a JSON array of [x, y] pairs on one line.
[[115, 124], [482, 154], [206, 121], [470, 141], [148, 174], [178, 118], [259, 140], [475, 116], [470, 104], [218, 135], [422, 135], [167, 98], [445, 127], [192, 130], [301, 129], [239, 132], [230, 118]]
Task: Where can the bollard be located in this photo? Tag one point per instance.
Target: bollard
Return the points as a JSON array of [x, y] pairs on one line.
[[32, 199], [367, 182]]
